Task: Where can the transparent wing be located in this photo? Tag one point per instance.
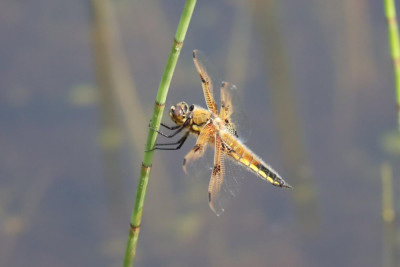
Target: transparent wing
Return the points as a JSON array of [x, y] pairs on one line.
[[228, 93], [206, 80], [217, 177], [227, 177], [233, 113], [226, 110], [227, 174], [205, 137], [226, 102]]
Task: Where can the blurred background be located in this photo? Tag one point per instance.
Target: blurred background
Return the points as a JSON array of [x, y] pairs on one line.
[[78, 81]]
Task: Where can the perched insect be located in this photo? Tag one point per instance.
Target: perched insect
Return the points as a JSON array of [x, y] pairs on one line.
[[216, 129]]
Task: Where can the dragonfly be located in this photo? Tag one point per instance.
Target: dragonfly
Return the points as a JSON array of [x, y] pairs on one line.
[[216, 129]]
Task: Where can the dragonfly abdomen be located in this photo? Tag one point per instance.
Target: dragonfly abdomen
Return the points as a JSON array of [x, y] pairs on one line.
[[252, 162]]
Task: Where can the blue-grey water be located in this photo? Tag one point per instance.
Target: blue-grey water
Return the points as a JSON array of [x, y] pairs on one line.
[[316, 80]]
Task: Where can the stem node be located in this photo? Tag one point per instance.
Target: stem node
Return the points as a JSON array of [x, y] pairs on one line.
[[136, 216]]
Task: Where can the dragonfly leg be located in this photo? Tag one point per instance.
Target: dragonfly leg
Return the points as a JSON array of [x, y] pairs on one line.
[[179, 129], [170, 127], [166, 126], [180, 142]]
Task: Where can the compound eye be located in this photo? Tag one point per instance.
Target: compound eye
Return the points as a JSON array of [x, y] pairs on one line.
[[178, 112], [191, 108], [185, 108]]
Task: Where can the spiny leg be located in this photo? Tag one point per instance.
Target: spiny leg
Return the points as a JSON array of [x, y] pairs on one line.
[[180, 143], [166, 126], [178, 129], [170, 127], [181, 127]]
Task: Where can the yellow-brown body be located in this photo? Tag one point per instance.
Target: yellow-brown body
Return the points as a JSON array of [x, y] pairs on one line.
[[200, 117], [235, 149], [240, 153]]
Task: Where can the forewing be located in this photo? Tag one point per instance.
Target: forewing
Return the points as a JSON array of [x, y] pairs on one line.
[[226, 110], [226, 102], [206, 81], [232, 111]]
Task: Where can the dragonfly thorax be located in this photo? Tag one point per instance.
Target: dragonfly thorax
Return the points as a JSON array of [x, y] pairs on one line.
[[217, 122]]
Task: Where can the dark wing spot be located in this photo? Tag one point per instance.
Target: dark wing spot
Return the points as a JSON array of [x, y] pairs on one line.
[[223, 146], [196, 148], [202, 79], [216, 169]]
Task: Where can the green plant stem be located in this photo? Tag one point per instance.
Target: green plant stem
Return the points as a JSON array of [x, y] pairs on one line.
[[390, 11], [136, 216]]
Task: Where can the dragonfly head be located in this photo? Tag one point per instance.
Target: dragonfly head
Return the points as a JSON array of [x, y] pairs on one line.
[[179, 113]]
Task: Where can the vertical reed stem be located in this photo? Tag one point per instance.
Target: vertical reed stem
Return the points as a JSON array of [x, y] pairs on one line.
[[388, 214], [393, 32], [136, 216]]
